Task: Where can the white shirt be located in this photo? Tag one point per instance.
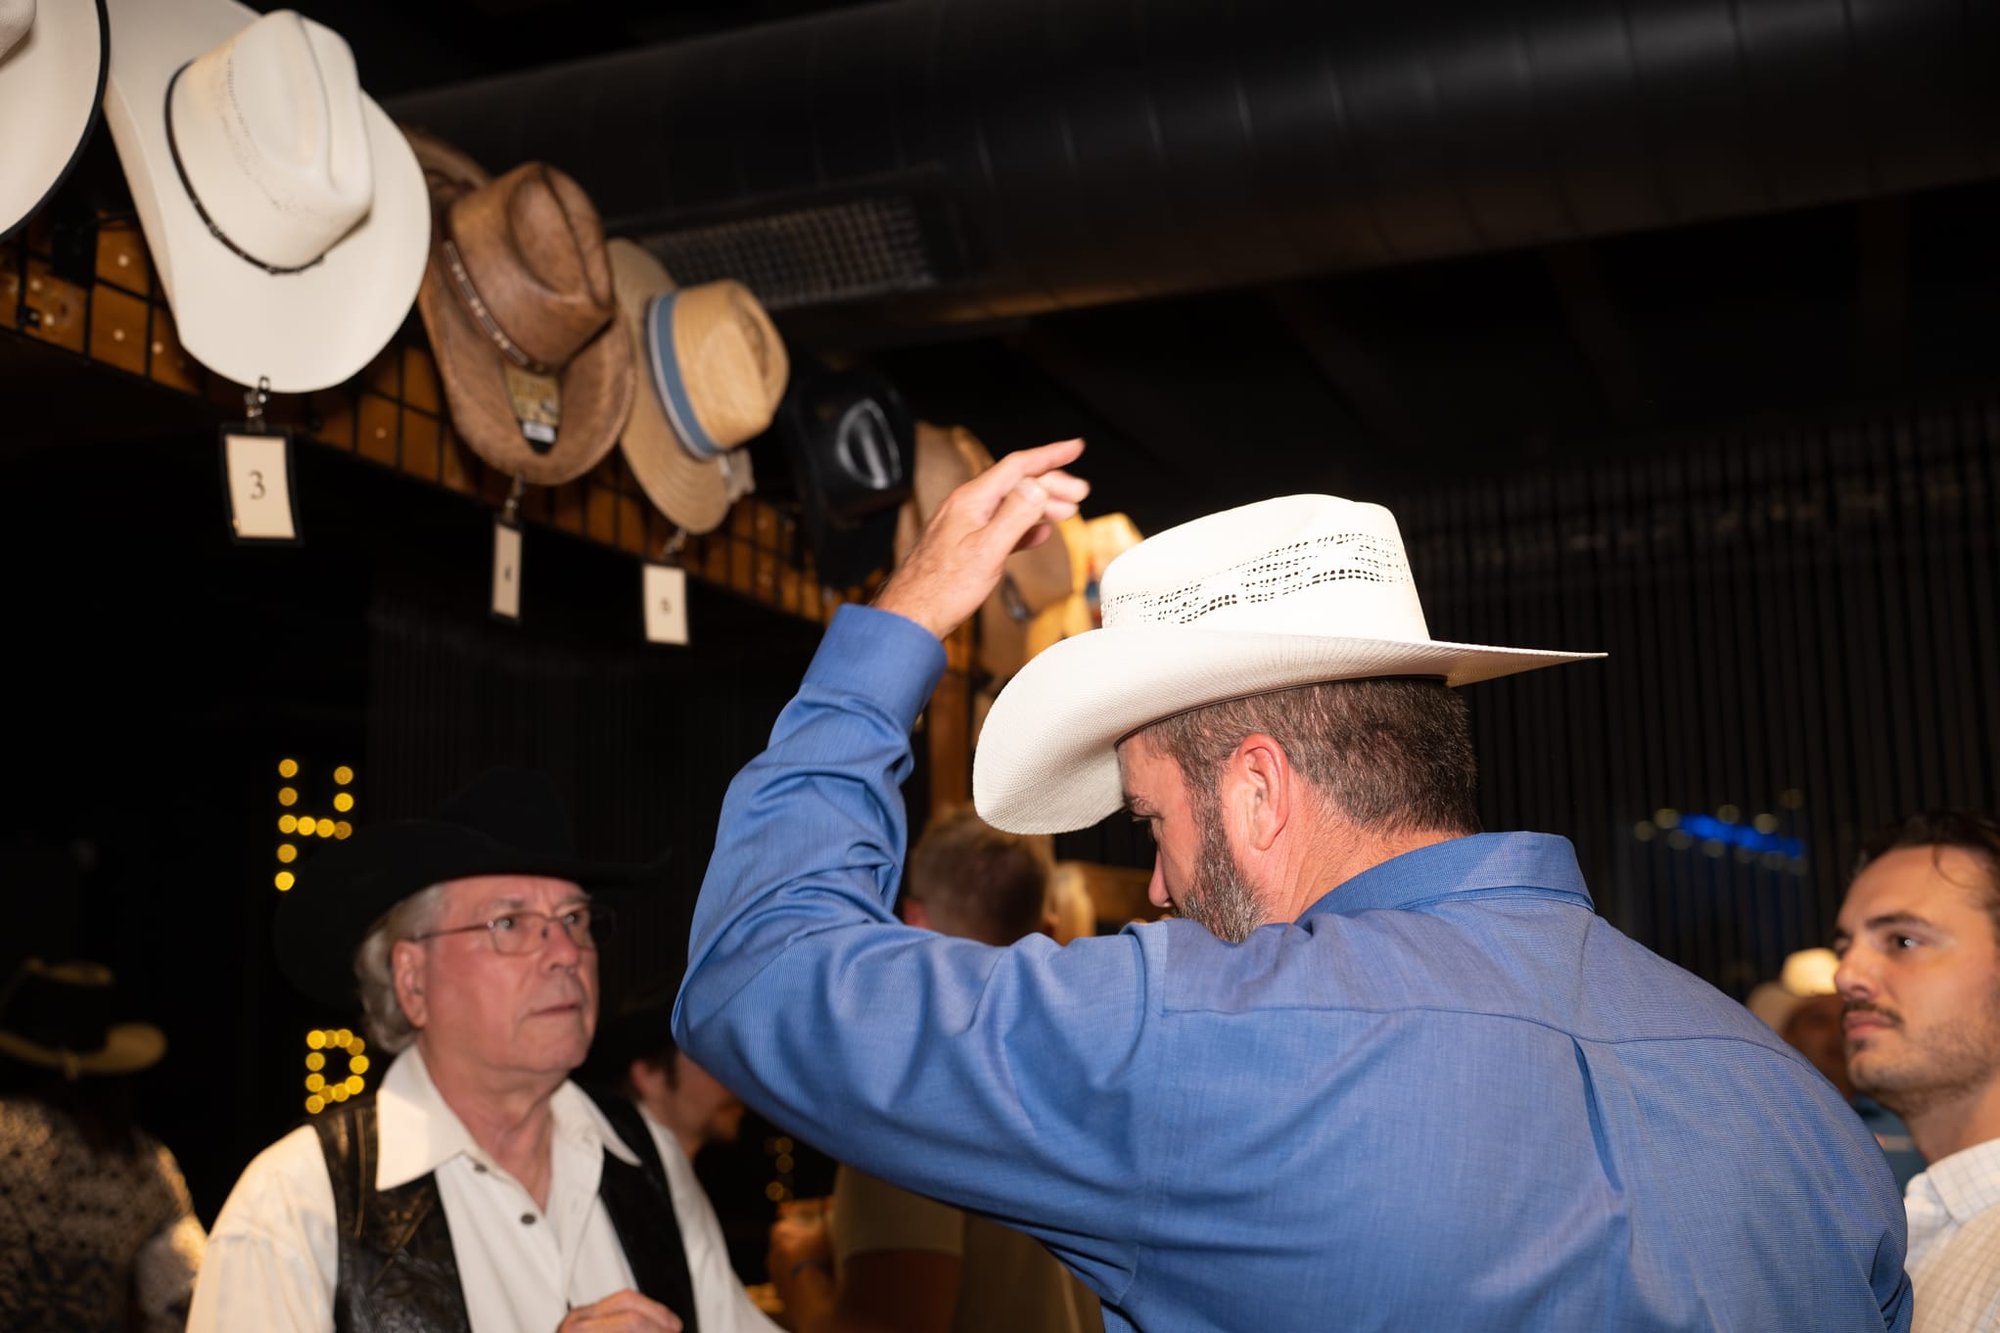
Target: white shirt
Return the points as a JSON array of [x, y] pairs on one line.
[[273, 1255], [719, 1299], [1954, 1257]]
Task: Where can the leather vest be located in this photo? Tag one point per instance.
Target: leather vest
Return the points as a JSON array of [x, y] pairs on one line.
[[397, 1270]]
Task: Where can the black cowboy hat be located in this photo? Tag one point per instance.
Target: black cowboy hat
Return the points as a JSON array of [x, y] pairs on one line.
[[60, 1017], [850, 443], [504, 822]]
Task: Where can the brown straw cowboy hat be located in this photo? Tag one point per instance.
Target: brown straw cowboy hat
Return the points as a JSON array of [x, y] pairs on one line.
[[713, 370], [518, 303]]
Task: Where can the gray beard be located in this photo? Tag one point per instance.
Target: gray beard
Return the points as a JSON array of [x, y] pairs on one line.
[[1219, 899]]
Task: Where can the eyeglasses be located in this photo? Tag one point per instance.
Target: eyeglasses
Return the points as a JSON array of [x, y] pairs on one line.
[[524, 932]]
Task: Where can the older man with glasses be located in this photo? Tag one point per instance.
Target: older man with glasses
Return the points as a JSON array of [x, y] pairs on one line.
[[478, 1188]]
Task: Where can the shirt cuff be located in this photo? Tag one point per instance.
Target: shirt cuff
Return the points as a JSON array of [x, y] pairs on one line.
[[877, 655]]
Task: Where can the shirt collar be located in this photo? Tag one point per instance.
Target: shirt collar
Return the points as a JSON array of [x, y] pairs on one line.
[[418, 1132], [1967, 1182], [1460, 866]]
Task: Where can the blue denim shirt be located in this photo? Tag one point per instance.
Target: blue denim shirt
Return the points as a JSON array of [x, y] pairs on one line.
[[1449, 1097]]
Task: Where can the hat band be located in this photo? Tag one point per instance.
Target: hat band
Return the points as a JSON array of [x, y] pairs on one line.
[[187, 187], [474, 305], [667, 381]]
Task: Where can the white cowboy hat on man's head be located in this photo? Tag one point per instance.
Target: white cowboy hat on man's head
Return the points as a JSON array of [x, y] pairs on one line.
[[286, 215], [1273, 595], [51, 80]]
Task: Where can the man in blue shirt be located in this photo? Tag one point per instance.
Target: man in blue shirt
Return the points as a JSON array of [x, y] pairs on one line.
[[1382, 1072]]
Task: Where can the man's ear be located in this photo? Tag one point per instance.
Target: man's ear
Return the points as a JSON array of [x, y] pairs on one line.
[[406, 972], [915, 913], [1257, 791]]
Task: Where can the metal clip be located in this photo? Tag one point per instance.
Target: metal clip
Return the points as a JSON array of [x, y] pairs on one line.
[[670, 550], [254, 401], [512, 512]]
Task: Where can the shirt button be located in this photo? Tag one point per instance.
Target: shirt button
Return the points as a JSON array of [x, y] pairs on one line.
[[480, 1167], [527, 1219]]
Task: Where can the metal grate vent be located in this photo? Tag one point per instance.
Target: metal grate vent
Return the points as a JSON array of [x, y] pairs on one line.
[[811, 256]]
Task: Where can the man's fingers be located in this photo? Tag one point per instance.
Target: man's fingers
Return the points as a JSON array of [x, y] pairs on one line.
[[990, 486], [1024, 507], [624, 1311], [1065, 486]]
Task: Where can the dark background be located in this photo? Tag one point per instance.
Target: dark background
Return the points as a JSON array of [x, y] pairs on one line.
[[1748, 451]]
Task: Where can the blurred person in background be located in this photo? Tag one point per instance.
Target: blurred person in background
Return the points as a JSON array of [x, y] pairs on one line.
[[1919, 946], [1802, 1006], [684, 1110], [883, 1260], [97, 1234]]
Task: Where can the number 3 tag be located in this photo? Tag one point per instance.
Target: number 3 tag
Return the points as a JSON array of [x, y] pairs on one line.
[[257, 482], [665, 589]]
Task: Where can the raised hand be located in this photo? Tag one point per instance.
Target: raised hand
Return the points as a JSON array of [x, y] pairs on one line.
[[957, 563]]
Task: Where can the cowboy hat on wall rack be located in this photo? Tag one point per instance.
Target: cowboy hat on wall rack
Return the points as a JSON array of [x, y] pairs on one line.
[[285, 214], [52, 64], [518, 302], [713, 370]]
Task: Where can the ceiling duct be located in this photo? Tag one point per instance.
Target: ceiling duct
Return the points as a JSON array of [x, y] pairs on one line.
[[932, 161]]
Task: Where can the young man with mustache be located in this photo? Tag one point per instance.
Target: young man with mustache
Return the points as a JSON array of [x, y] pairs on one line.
[[1919, 946]]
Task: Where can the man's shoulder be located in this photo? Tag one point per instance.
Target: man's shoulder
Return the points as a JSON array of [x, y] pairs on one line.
[[283, 1185]]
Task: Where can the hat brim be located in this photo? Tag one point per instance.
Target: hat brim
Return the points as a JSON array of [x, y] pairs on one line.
[[692, 492], [128, 1048], [1047, 760], [53, 79], [344, 891], [303, 331], [596, 385]]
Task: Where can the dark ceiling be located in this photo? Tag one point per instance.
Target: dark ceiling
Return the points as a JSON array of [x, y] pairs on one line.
[[1376, 382]]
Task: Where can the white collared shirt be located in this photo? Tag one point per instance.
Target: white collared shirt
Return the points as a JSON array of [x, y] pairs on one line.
[[273, 1256], [719, 1299], [1954, 1256]]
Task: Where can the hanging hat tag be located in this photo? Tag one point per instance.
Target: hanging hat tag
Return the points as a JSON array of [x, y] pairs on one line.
[[257, 475], [537, 403], [506, 603], [663, 585]]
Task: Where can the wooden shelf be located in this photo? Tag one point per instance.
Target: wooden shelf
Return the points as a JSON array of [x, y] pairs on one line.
[[94, 296]]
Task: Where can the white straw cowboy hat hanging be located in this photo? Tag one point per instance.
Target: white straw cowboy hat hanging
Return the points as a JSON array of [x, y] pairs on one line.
[[285, 214], [712, 370], [52, 62], [519, 306], [1266, 597]]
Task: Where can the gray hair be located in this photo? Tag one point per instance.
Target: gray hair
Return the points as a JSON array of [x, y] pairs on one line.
[[1389, 754], [389, 1028]]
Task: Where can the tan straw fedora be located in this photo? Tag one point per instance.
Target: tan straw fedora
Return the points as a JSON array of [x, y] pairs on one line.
[[518, 303], [714, 369]]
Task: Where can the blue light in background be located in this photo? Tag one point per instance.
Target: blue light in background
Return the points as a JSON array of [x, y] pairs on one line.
[[1708, 827]]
